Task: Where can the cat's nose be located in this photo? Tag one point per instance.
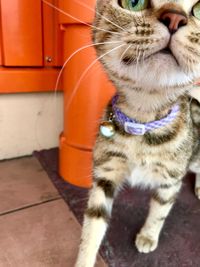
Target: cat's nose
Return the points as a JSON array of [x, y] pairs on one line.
[[173, 19]]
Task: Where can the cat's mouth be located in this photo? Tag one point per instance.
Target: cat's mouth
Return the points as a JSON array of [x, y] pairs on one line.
[[127, 60], [166, 51]]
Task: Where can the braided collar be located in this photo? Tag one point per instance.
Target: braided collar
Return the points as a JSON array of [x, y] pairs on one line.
[[132, 127]]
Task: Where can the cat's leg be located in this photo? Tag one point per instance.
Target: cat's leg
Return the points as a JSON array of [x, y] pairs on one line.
[[195, 167], [197, 185], [160, 206], [107, 180]]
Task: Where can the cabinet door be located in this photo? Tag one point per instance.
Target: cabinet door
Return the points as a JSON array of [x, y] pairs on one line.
[[22, 32], [1, 42], [1, 47], [52, 35]]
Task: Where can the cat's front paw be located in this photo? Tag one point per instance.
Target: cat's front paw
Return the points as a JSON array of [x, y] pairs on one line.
[[145, 244], [197, 192]]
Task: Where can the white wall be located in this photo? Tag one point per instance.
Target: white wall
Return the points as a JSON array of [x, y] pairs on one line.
[[29, 122]]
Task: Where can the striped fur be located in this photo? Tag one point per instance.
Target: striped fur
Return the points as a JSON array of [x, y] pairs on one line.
[[149, 82]]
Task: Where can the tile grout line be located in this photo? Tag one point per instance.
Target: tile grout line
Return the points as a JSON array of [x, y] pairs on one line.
[[30, 206]]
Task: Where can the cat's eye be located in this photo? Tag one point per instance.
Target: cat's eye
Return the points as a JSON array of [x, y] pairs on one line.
[[196, 10], [135, 5]]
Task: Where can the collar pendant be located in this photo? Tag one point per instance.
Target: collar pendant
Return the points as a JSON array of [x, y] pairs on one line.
[[107, 128]]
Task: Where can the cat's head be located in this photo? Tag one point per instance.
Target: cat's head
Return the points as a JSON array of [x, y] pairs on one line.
[[155, 43]]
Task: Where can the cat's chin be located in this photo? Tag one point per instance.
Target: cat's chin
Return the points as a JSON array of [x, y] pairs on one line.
[[159, 70], [164, 60]]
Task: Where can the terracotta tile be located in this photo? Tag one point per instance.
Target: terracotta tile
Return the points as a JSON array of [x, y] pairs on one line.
[[46, 235], [23, 182]]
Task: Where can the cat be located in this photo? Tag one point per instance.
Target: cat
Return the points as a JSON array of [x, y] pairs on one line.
[[149, 133]]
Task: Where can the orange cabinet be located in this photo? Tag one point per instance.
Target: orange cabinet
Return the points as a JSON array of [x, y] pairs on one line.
[[22, 32], [1, 55], [52, 35], [29, 39]]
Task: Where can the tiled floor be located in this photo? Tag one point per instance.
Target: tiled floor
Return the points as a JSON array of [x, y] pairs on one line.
[[37, 228]]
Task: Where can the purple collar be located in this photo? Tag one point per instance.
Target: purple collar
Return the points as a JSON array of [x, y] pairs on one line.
[[133, 127]]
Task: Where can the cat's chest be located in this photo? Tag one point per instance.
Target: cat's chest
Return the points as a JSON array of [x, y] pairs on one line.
[[148, 164], [145, 177]]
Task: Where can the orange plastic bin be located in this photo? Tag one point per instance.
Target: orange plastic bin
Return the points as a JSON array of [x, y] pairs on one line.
[[82, 114]]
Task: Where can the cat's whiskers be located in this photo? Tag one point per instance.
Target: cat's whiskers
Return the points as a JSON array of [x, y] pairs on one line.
[[126, 50], [92, 9], [75, 89], [144, 54], [139, 20], [82, 22], [144, 50], [167, 93], [190, 50], [137, 59], [189, 66], [73, 54]]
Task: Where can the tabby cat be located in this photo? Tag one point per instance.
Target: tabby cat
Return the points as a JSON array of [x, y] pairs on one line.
[[149, 133]]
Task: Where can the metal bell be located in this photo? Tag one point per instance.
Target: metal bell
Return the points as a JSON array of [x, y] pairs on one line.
[[107, 129]]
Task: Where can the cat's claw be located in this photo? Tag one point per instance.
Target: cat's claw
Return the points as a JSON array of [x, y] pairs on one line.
[[197, 192], [145, 244]]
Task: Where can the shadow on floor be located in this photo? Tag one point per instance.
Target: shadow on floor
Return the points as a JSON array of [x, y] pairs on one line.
[[179, 243]]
